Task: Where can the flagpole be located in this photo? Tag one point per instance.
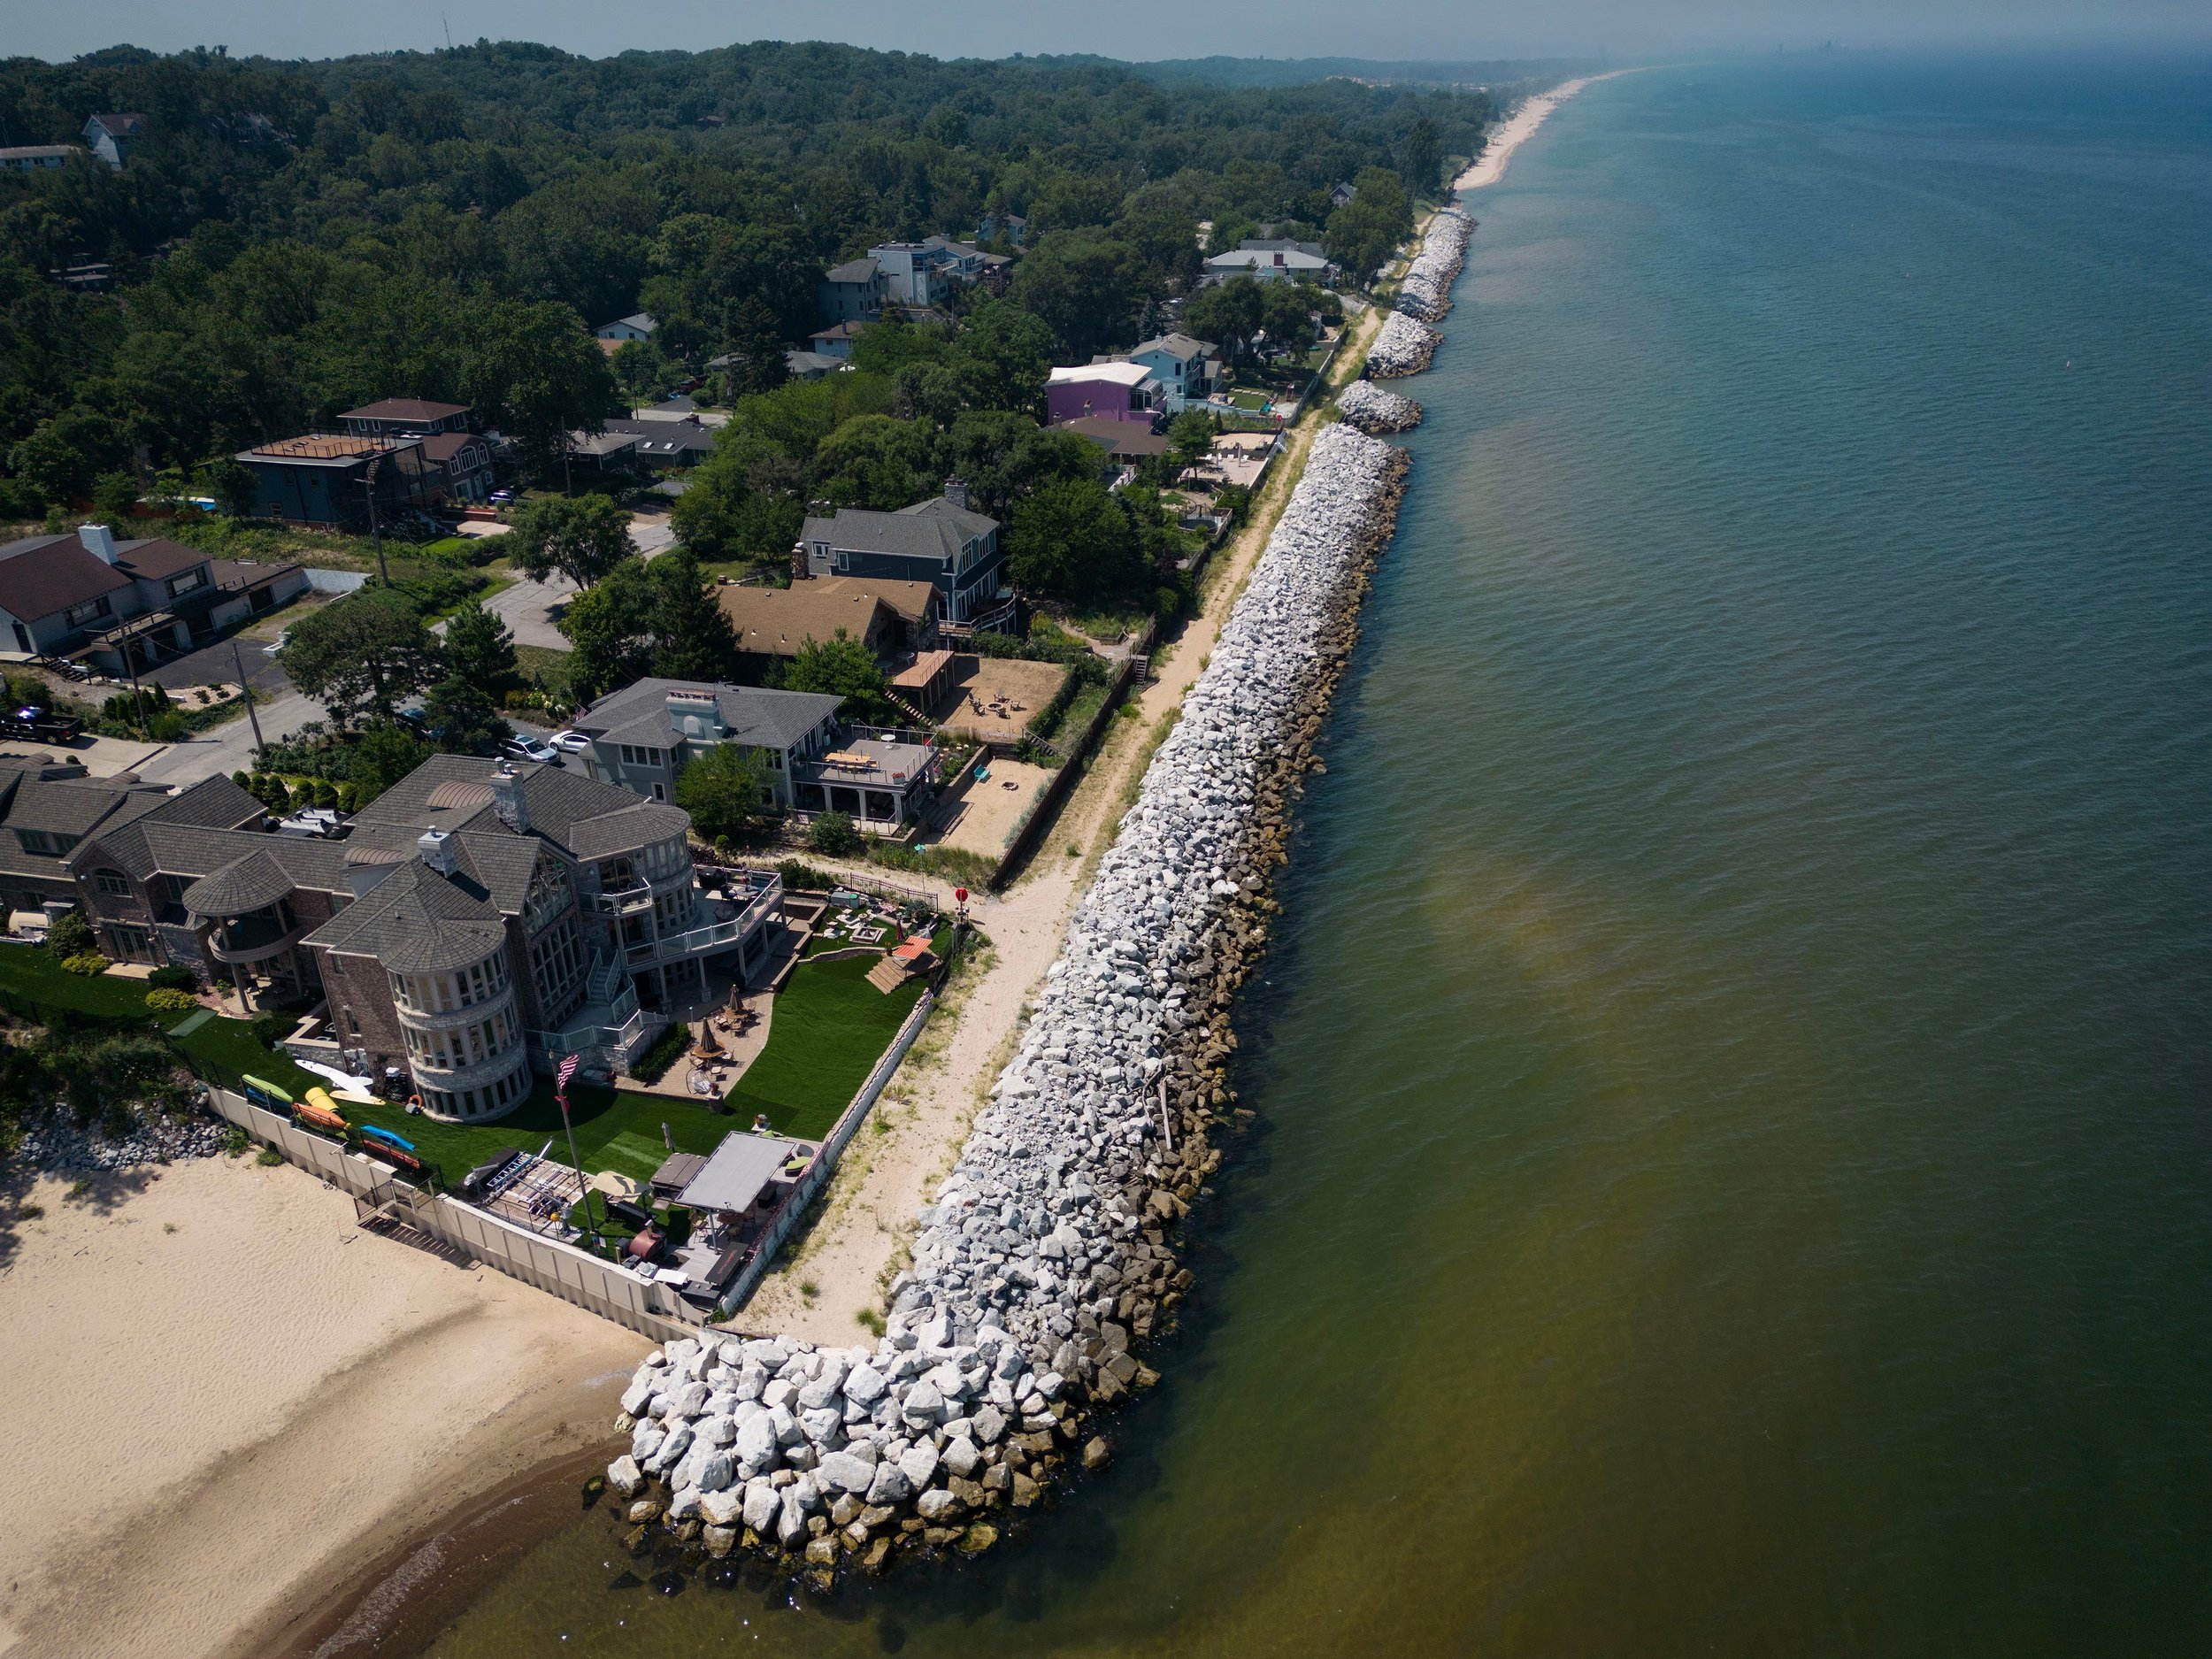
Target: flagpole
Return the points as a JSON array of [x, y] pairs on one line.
[[560, 1093]]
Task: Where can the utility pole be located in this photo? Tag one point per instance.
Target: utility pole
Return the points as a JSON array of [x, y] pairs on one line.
[[368, 483], [260, 748]]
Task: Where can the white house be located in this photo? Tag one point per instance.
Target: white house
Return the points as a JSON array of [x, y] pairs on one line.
[[637, 326], [1280, 264]]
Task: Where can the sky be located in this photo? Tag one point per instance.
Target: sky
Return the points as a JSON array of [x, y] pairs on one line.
[[1130, 29]]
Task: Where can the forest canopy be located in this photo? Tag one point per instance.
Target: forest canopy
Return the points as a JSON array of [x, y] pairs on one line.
[[290, 239]]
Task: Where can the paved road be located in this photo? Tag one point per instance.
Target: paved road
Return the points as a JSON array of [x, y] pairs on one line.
[[229, 747], [532, 609]]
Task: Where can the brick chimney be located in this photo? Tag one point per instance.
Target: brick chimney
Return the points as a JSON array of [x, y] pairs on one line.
[[507, 798]]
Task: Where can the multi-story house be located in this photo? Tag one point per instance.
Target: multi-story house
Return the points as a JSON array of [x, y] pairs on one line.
[[1188, 370], [483, 919], [48, 810], [643, 736], [111, 136], [852, 292], [325, 479], [403, 417], [126, 605], [941, 541]]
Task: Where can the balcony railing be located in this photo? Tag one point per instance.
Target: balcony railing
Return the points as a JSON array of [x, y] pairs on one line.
[[590, 1034], [714, 936]]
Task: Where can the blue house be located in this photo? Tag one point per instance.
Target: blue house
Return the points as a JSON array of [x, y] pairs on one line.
[[325, 479], [940, 541]]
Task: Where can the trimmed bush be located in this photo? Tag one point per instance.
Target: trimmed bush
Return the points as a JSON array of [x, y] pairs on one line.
[[91, 965], [173, 979], [653, 1064], [168, 1000]]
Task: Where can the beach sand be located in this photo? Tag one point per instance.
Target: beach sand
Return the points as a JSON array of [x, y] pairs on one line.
[[1489, 167], [220, 1393]]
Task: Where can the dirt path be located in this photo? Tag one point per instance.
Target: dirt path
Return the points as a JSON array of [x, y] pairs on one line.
[[830, 1284]]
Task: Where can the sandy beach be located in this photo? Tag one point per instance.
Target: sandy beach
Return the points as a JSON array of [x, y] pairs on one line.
[[1489, 167], [220, 1390], [237, 1410]]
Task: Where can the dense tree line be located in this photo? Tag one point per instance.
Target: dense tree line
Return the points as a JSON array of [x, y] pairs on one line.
[[450, 225]]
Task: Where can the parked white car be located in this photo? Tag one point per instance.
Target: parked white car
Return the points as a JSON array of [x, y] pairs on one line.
[[530, 748], [570, 743]]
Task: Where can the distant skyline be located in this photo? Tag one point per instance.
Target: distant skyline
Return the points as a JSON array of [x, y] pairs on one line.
[[1139, 30]]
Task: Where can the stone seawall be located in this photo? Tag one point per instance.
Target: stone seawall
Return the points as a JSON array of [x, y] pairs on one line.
[[1367, 406], [1427, 292], [1047, 1258]]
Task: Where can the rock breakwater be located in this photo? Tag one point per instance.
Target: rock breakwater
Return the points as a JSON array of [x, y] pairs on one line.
[[1048, 1257], [1427, 292], [1367, 406], [1402, 346]]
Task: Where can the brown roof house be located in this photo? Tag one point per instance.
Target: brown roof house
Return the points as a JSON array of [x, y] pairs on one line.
[[403, 417], [887, 617], [125, 605]]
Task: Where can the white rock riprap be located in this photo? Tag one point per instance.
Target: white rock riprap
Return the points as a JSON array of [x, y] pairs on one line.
[[1046, 1252], [1367, 406], [1402, 346], [1427, 292]]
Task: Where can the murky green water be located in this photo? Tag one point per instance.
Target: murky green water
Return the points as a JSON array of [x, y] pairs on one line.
[[1736, 1077]]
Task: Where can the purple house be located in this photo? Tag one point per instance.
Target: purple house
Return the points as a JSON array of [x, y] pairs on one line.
[[1103, 391]]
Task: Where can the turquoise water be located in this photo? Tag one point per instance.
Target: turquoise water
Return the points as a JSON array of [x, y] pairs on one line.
[[1736, 1071]]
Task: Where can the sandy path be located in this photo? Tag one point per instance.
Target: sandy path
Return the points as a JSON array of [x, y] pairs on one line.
[[859, 1235], [1489, 167], [217, 1389]]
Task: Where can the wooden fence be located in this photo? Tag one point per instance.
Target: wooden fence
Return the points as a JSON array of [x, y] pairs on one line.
[[1055, 794]]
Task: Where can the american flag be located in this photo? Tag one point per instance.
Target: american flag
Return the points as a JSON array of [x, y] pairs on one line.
[[561, 1075]]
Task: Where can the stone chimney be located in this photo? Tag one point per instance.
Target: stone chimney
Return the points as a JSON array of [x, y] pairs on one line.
[[957, 493], [436, 848], [507, 798], [799, 571], [99, 541]]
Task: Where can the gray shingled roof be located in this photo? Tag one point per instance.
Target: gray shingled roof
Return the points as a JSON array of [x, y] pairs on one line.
[[502, 863], [754, 715], [640, 826], [556, 799], [124, 806], [928, 529], [249, 882], [415, 921], [851, 271]]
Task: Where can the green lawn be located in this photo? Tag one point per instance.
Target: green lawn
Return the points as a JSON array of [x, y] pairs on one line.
[[831, 1026], [34, 976], [544, 664], [615, 1130]]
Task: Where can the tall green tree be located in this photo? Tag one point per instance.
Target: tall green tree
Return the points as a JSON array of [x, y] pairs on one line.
[[875, 462], [1071, 541], [691, 636], [383, 754], [721, 790], [480, 648], [532, 368], [362, 655], [842, 666], [584, 537]]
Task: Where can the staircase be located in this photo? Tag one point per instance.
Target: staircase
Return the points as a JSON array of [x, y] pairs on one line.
[[907, 709], [887, 975]]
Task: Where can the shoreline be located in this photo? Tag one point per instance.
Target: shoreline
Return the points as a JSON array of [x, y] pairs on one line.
[[285, 1389], [232, 1555], [1489, 167]]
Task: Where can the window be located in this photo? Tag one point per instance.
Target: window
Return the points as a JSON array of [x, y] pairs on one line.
[[659, 794], [186, 583], [112, 883], [77, 616]]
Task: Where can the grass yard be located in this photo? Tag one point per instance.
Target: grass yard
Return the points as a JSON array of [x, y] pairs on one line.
[[228, 1047], [33, 977], [615, 1130], [831, 1026], [545, 665]]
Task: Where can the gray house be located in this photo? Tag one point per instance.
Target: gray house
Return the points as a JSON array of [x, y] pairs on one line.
[[643, 735], [940, 541], [852, 292]]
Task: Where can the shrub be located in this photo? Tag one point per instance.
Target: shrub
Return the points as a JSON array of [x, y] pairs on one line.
[[269, 1158], [91, 965], [272, 1025], [167, 1000], [804, 877], [653, 1064], [832, 835], [173, 979], [70, 935]]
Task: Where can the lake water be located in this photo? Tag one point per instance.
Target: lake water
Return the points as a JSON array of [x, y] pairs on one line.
[[1737, 1072]]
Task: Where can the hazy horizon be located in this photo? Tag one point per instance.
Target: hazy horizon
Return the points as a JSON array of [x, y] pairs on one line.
[[1141, 31]]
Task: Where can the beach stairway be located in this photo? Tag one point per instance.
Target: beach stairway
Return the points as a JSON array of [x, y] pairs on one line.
[[888, 974], [907, 709]]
